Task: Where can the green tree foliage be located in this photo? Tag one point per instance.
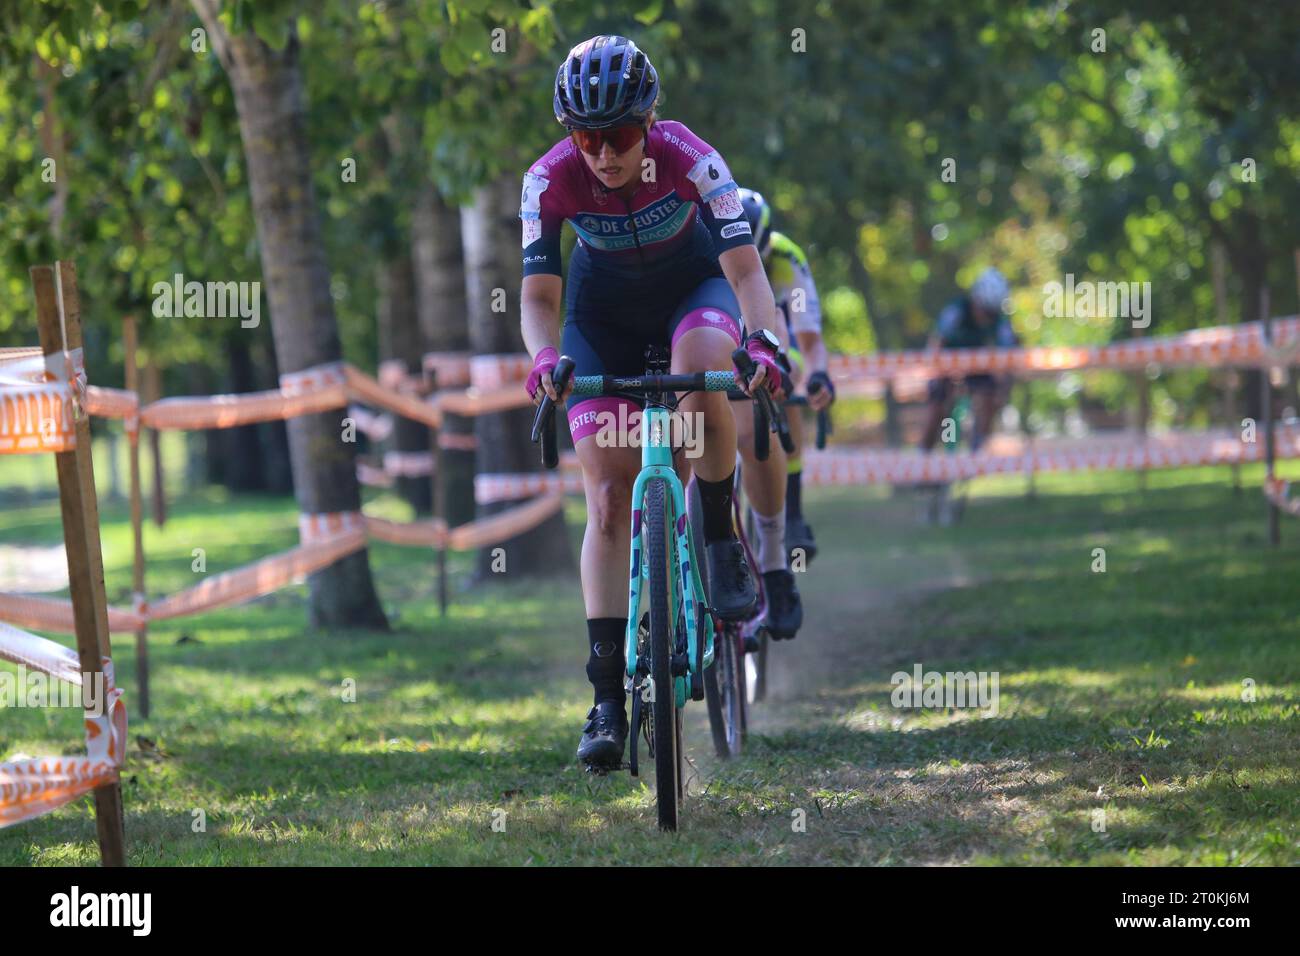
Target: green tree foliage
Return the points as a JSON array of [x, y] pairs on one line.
[[1122, 163]]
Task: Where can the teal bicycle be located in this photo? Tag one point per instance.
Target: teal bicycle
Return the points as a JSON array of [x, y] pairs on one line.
[[670, 632]]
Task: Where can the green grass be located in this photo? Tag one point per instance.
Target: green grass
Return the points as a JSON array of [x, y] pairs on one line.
[[1119, 691]]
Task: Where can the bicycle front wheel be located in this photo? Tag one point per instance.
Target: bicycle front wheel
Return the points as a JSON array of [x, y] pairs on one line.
[[656, 534]]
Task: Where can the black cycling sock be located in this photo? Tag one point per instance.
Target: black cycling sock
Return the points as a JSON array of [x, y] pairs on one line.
[[605, 663], [715, 502], [794, 495]]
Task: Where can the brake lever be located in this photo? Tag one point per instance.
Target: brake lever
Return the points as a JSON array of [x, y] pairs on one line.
[[544, 420]]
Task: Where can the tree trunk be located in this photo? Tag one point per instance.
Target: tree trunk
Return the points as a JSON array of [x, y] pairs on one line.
[[269, 101], [1250, 262], [399, 339], [201, 382], [503, 439], [242, 448], [277, 470], [440, 288]]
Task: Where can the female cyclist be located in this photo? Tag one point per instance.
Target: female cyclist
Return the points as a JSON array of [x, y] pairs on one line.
[[664, 257]]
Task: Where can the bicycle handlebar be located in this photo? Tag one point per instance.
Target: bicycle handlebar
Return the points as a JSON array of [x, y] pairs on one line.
[[596, 385]]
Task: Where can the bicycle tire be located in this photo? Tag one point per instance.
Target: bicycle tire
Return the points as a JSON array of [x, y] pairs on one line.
[[663, 707], [757, 689], [719, 682]]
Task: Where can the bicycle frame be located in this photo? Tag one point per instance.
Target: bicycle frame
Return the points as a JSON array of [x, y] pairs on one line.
[[657, 463]]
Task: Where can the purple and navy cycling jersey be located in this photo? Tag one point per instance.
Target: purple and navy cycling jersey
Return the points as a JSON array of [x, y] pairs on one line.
[[645, 269], [636, 258]]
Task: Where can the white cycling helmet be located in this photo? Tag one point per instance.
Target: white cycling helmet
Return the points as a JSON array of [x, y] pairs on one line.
[[990, 290]]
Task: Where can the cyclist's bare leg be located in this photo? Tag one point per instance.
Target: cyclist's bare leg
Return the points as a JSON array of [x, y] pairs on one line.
[[700, 350], [764, 481], [936, 410], [731, 590], [794, 416], [984, 403], [607, 477]]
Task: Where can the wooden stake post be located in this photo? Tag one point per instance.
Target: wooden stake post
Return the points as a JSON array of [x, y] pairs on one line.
[[153, 388], [1266, 406], [58, 315], [137, 518]]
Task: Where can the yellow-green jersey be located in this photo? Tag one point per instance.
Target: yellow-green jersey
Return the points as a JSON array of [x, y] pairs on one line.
[[792, 285]]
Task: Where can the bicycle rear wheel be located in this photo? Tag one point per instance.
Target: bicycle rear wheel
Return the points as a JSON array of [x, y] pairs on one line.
[[723, 700], [724, 690], [664, 718]]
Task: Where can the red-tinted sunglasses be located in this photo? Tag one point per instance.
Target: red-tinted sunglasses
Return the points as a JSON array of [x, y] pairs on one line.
[[621, 138]]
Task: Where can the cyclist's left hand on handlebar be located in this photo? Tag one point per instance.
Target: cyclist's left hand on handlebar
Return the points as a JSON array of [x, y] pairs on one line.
[[767, 372], [821, 391]]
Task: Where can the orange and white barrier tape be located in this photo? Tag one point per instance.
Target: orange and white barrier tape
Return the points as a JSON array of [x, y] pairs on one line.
[[259, 578], [325, 538], [41, 397], [859, 466], [1177, 450], [408, 464], [456, 441], [32, 786], [362, 387], [375, 427], [104, 402], [39, 654], [392, 375], [475, 401], [505, 525], [488, 372], [55, 614], [229, 411], [373, 477], [1222, 345], [492, 488], [494, 381], [429, 533], [449, 369], [1217, 346]]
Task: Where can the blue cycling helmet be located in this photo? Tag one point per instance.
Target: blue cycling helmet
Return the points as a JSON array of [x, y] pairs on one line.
[[605, 81], [759, 214], [990, 290]]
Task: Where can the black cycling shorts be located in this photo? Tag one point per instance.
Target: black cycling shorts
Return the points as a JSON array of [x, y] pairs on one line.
[[609, 348]]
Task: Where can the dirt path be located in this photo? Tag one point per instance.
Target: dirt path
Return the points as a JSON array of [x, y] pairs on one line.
[[850, 625]]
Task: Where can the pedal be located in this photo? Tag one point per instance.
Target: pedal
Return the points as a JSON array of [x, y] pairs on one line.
[[680, 665]]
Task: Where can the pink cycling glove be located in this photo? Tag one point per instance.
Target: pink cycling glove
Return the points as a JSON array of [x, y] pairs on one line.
[[763, 355], [543, 362]]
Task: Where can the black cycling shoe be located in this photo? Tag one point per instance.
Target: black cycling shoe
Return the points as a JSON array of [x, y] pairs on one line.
[[604, 736], [799, 536], [784, 609], [731, 589]]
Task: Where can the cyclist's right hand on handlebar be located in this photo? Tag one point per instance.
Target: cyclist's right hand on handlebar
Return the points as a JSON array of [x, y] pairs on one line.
[[765, 373]]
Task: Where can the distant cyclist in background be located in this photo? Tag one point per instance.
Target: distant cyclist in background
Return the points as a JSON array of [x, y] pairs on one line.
[[801, 337], [976, 320]]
